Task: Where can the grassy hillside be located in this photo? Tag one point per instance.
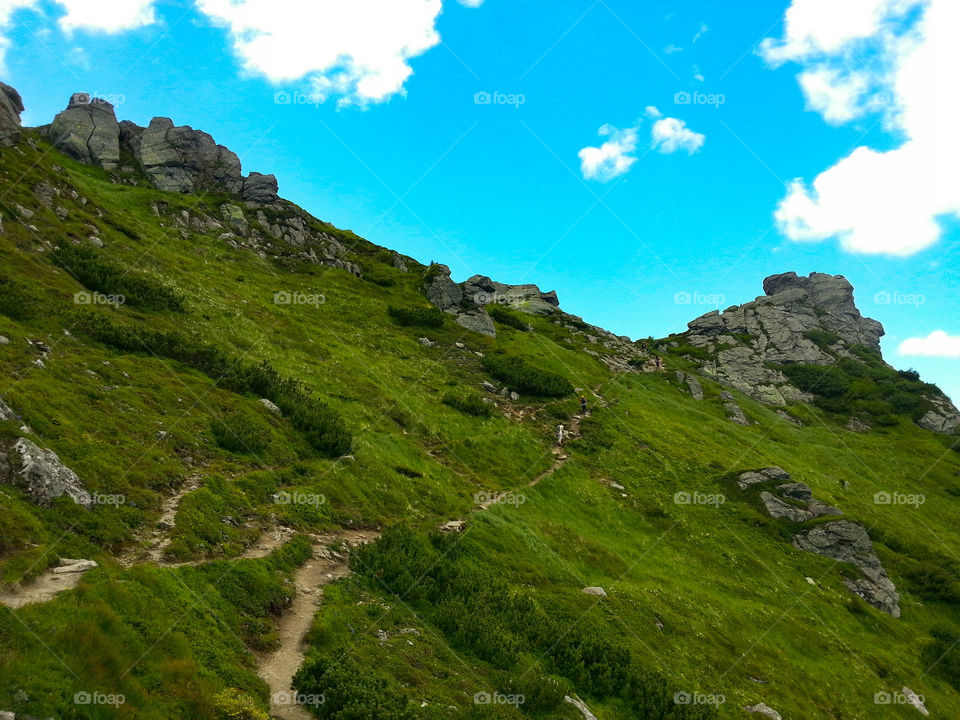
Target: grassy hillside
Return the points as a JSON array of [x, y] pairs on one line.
[[163, 391]]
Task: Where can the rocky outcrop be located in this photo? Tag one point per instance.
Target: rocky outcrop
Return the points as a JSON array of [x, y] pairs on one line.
[[733, 410], [696, 389], [841, 540], [88, 131], [261, 189], [40, 474], [481, 290], [847, 541], [750, 340], [10, 108], [478, 321], [5, 412], [181, 159], [442, 291], [943, 418]]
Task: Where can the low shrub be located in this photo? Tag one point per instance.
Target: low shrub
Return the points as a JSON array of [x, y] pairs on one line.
[[469, 403], [508, 317], [416, 316], [349, 690], [526, 378], [100, 275], [18, 300], [240, 433]]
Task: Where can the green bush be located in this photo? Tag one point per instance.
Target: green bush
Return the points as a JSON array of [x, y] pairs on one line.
[[526, 378], [416, 316], [824, 381], [240, 433], [823, 339], [18, 300], [470, 403], [100, 275], [232, 704], [347, 690], [507, 317], [697, 353]]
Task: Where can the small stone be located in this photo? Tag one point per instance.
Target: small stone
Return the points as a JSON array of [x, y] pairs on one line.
[[765, 710], [426, 342], [271, 406], [4, 340], [597, 591]]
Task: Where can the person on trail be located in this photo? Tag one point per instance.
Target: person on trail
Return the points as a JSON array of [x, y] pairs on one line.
[[559, 434], [643, 347], [583, 404], [659, 363]]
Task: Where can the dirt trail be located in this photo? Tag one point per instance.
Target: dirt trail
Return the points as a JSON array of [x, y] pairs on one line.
[[153, 543], [278, 668], [42, 589]]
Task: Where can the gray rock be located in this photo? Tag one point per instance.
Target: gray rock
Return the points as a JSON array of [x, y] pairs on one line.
[[271, 406], [260, 188], [735, 413], [181, 159], [581, 706], [696, 390], [481, 290], [944, 417], [765, 710], [746, 479], [821, 509], [88, 131], [5, 412], [75, 566], [796, 490], [780, 510], [427, 342], [855, 424], [477, 321], [597, 591], [400, 262], [11, 105], [41, 475], [4, 340], [915, 700], [847, 541], [442, 291]]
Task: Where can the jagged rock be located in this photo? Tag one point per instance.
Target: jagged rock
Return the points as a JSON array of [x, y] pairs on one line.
[[848, 542], [914, 700], [944, 418], [5, 412], [577, 703], [452, 526], [765, 710], [400, 262], [820, 509], [481, 290], [780, 510], [11, 105], [74, 566], [746, 479], [233, 216], [260, 188], [181, 159], [88, 131], [477, 321], [796, 490], [752, 339], [427, 342], [598, 591], [696, 390], [855, 424], [733, 410], [40, 474], [442, 291]]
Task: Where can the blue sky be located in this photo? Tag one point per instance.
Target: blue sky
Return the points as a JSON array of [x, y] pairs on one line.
[[649, 161]]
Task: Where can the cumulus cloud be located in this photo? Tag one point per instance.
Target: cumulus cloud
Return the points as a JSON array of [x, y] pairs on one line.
[[106, 15], [613, 158], [359, 50], [471, 3], [670, 135], [936, 344], [892, 59]]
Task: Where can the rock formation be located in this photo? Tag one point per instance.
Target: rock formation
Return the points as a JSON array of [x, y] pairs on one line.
[[10, 108], [40, 473], [88, 131]]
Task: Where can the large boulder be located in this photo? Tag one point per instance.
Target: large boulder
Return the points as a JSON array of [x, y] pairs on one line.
[[478, 321], [40, 474], [11, 106], [847, 541], [181, 159], [943, 418], [481, 290], [88, 131], [442, 291], [261, 189]]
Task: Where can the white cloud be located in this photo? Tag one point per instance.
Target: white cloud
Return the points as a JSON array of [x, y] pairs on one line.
[[106, 15], [670, 134], [613, 158], [893, 57], [671, 49], [358, 50], [936, 344], [701, 32], [652, 112], [471, 3]]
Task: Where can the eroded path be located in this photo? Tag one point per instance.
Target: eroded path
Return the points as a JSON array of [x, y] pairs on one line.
[[327, 565]]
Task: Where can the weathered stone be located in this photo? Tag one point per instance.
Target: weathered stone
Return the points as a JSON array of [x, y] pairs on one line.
[[11, 105], [41, 474], [477, 321], [765, 710], [260, 188], [271, 406], [426, 342], [847, 541], [5, 412], [780, 510], [598, 591], [746, 479], [88, 131], [914, 700], [75, 566], [442, 291], [943, 418]]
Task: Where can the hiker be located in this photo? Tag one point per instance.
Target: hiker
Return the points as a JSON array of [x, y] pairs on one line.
[[643, 347], [583, 404], [559, 434], [659, 363]]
